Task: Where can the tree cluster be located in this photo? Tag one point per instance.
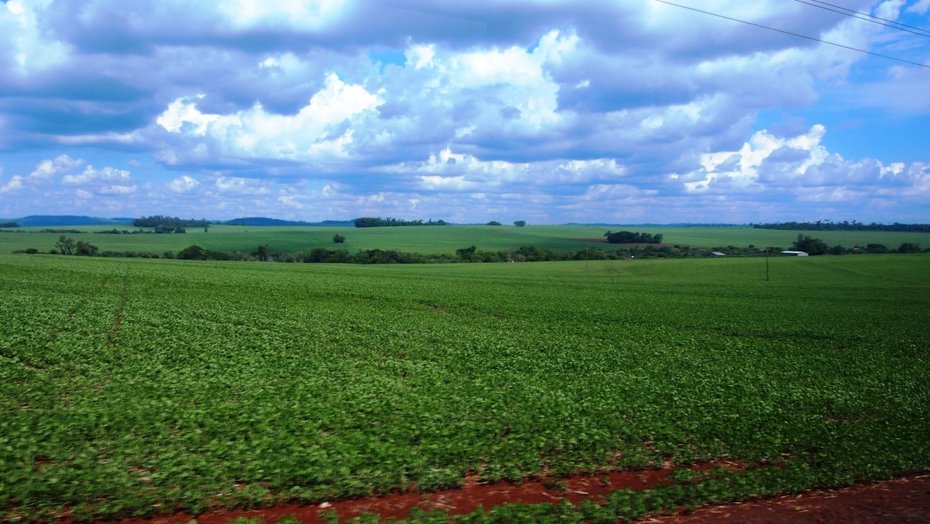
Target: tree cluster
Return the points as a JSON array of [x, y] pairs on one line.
[[629, 237], [814, 246], [8, 224], [264, 253], [827, 225], [394, 222], [67, 246], [810, 245], [165, 224], [115, 231], [198, 253]]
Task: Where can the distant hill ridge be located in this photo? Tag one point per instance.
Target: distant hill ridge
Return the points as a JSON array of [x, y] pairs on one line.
[[67, 220], [83, 220]]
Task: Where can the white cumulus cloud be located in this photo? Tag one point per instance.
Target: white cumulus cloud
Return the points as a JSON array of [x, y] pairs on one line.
[[29, 47], [452, 171], [920, 7], [59, 165], [295, 14], [13, 184], [91, 175], [240, 186], [800, 168], [257, 133], [183, 184]]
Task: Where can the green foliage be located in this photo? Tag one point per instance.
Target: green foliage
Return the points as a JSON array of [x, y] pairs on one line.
[[466, 254], [165, 224], [193, 253], [629, 237], [810, 245], [338, 239], [139, 386], [394, 222], [433, 240], [67, 246], [827, 225], [85, 249], [262, 253], [520, 223]]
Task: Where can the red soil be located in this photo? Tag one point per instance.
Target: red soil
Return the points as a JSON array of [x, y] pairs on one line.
[[899, 500], [471, 496]]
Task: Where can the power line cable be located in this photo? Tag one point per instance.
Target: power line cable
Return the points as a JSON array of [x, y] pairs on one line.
[[869, 18], [799, 35], [853, 11]]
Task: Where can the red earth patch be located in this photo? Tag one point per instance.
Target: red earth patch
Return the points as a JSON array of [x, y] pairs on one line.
[[472, 495], [899, 500]]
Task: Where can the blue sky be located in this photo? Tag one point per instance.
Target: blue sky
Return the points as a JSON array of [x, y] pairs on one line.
[[548, 111]]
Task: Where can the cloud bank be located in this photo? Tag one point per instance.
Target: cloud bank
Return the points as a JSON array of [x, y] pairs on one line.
[[547, 111]]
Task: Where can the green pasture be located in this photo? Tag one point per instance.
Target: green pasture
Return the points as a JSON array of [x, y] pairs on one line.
[[437, 239], [139, 387]]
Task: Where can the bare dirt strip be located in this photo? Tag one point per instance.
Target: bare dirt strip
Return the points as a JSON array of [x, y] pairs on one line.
[[472, 495], [900, 500]]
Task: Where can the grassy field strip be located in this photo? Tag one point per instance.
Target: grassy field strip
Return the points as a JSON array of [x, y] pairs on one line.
[[433, 240]]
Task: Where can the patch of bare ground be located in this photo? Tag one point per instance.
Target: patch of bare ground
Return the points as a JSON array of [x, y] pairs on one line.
[[900, 500], [904, 499], [473, 494]]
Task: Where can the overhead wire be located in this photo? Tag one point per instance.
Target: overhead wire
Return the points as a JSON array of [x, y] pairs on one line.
[[868, 18], [853, 11], [799, 35]]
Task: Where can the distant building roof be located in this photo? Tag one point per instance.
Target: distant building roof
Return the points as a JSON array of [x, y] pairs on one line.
[[795, 253], [718, 253]]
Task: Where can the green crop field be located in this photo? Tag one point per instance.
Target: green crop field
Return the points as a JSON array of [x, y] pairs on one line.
[[435, 240], [140, 387]]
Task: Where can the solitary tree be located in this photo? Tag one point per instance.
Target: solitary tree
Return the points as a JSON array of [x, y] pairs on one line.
[[520, 223], [193, 253], [65, 245], [339, 239], [85, 249], [262, 252], [466, 254]]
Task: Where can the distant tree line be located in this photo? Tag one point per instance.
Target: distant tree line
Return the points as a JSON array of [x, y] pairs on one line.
[[165, 224], [815, 246], [827, 225], [394, 222], [629, 237], [115, 231], [264, 253], [59, 231], [8, 224]]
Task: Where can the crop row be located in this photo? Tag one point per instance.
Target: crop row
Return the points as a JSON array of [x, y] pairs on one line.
[[146, 386]]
